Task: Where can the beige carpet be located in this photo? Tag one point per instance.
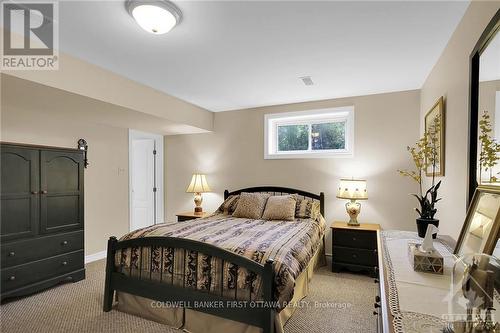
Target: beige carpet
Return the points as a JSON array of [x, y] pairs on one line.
[[337, 303]]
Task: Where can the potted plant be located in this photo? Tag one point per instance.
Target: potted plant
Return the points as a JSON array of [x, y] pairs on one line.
[[424, 155]]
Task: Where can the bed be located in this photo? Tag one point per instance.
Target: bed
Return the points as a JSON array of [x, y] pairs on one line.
[[231, 274]]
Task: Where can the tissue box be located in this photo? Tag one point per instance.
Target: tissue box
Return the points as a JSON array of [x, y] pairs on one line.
[[425, 262]]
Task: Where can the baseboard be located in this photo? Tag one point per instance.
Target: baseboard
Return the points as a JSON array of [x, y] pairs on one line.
[[95, 257]]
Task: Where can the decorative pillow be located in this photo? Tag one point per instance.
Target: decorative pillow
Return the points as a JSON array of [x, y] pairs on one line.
[[229, 205], [307, 208], [251, 205], [280, 207]]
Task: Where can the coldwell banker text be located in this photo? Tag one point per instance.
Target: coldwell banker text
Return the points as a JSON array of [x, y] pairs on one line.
[[30, 35]]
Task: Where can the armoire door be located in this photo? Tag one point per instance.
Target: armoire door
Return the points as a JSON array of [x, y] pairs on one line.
[[19, 192], [61, 191]]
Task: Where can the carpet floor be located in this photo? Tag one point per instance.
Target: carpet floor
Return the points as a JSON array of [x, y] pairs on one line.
[[337, 303]]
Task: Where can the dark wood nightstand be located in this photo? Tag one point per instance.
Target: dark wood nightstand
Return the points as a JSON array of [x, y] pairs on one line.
[[186, 216], [355, 248]]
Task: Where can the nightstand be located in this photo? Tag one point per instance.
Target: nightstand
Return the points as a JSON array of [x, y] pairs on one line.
[[355, 247], [186, 216]]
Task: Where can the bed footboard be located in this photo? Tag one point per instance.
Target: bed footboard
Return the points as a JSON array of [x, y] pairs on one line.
[[260, 313]]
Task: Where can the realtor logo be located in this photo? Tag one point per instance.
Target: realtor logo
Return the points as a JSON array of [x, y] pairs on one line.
[[30, 35]]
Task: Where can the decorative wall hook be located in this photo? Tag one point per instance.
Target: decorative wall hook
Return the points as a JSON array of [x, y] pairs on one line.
[[82, 145]]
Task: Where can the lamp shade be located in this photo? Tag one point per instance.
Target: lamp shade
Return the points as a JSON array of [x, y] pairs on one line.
[[198, 184], [354, 189]]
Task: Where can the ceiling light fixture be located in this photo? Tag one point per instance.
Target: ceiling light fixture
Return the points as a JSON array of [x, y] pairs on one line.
[[157, 17]]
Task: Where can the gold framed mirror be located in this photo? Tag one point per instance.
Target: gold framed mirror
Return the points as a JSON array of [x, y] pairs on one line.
[[496, 248], [435, 124], [480, 231]]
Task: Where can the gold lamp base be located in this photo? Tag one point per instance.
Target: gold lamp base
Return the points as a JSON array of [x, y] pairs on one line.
[[353, 208], [198, 199]]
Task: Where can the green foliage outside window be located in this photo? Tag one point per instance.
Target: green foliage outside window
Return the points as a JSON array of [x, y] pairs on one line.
[[328, 136], [293, 137], [324, 136]]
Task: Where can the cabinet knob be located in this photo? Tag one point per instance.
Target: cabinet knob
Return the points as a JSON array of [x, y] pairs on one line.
[[64, 263], [354, 239], [377, 299], [44, 192], [12, 253], [65, 242], [34, 192], [12, 278], [376, 305], [375, 313], [354, 256]]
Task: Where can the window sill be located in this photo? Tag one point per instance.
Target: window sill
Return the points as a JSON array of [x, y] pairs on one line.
[[291, 156]]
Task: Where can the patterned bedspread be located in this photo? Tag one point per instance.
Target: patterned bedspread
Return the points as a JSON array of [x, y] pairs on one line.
[[291, 244]]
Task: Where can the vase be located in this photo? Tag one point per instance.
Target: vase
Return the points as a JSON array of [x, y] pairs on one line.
[[422, 226]]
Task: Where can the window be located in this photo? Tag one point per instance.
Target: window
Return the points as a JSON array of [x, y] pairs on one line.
[[315, 133]]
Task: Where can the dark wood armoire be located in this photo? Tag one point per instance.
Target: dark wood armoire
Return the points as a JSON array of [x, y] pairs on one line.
[[42, 217]]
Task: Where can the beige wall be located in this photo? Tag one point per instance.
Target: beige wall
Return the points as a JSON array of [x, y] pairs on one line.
[[33, 113], [450, 78], [233, 157], [83, 78]]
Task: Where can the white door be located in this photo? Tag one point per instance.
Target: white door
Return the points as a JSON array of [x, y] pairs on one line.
[[143, 206]]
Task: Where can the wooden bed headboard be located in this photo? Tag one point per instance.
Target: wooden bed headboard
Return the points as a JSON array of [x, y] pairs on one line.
[[277, 190]]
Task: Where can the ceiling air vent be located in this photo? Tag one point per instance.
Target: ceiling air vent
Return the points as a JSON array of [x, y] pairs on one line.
[[307, 80]]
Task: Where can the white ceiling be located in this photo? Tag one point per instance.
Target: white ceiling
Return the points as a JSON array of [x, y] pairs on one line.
[[229, 55]]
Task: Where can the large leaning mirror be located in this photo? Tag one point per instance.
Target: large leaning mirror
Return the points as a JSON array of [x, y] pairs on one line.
[[480, 231], [489, 114], [484, 130]]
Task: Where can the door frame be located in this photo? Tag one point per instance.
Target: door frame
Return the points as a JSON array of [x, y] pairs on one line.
[[158, 139]]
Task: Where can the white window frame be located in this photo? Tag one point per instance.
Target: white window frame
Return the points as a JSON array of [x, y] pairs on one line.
[[338, 114]]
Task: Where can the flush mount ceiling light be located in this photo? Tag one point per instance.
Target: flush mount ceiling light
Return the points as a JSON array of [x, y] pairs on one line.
[[157, 17]]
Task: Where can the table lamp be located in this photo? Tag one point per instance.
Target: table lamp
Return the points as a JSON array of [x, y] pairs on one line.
[[197, 186], [352, 189]]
